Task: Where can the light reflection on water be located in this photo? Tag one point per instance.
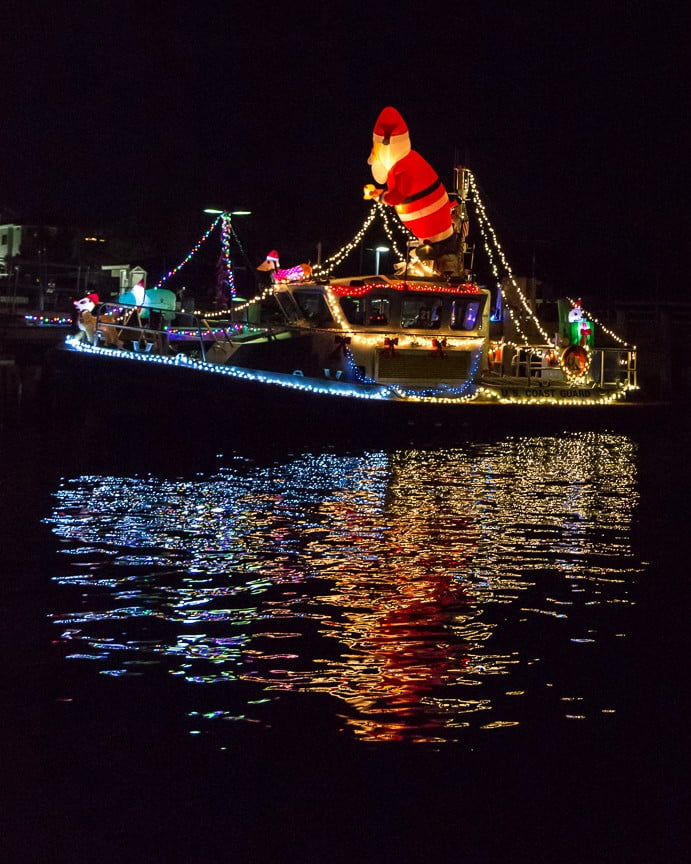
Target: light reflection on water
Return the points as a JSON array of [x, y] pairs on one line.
[[425, 592]]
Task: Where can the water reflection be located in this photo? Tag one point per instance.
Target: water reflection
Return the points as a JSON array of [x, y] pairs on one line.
[[423, 592]]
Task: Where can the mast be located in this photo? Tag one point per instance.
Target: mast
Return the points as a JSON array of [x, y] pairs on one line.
[[461, 186]]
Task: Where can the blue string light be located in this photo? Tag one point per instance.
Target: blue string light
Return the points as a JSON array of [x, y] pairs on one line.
[[468, 388], [354, 369], [291, 382]]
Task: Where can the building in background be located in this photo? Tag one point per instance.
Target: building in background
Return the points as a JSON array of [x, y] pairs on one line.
[[44, 268]]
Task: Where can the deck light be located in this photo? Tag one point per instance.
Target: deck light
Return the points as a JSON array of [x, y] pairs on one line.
[[378, 251]]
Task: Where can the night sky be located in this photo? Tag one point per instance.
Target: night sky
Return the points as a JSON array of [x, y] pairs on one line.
[[574, 121]]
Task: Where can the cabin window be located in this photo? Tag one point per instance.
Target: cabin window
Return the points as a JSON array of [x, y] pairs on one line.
[[465, 313], [353, 309], [313, 307], [287, 305], [421, 313], [378, 311], [367, 311]]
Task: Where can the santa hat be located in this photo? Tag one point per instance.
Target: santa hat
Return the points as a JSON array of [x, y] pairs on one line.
[[390, 125], [272, 256], [93, 297]]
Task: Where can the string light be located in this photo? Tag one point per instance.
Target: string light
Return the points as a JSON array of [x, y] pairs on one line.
[[190, 254], [296, 381], [386, 216], [488, 231], [240, 307], [443, 393], [354, 369], [49, 320], [602, 327], [563, 396], [226, 231], [361, 290], [572, 374], [483, 393], [465, 392], [323, 270]]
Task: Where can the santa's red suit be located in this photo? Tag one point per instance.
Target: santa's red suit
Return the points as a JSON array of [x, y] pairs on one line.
[[413, 187]]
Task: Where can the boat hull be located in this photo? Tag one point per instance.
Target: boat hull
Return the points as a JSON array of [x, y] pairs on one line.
[[253, 402]]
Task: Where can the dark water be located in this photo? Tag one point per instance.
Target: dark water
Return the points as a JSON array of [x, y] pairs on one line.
[[235, 649]]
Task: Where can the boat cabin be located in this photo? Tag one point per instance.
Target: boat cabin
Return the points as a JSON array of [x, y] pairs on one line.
[[412, 332]]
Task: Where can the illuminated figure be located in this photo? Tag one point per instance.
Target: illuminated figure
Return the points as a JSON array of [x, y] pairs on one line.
[[576, 313], [86, 322], [272, 265], [413, 187], [581, 329]]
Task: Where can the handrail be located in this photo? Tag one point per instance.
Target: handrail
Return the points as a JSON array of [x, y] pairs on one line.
[[105, 310], [528, 361]]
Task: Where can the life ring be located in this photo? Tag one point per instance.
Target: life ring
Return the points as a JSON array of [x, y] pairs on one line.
[[575, 361]]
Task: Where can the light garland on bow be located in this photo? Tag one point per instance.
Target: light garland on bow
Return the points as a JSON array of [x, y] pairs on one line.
[[227, 230], [292, 382], [378, 392]]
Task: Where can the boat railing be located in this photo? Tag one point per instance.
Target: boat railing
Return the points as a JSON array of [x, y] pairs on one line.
[[147, 329], [610, 367]]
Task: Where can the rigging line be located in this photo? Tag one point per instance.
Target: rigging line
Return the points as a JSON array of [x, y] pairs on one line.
[[386, 219], [189, 255], [250, 265], [514, 312], [340, 256], [481, 209], [484, 228]]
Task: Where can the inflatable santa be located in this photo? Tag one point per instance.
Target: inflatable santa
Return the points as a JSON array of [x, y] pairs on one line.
[[413, 187]]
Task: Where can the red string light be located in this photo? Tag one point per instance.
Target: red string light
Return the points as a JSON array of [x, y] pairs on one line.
[[361, 290]]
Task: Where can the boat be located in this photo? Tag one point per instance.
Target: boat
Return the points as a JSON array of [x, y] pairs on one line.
[[424, 341]]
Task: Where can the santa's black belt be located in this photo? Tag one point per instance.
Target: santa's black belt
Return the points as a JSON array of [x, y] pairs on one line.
[[418, 195]]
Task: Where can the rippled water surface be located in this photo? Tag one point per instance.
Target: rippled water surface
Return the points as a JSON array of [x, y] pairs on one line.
[[422, 595], [227, 647]]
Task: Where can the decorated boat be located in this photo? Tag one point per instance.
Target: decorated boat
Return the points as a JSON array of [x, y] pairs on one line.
[[426, 337]]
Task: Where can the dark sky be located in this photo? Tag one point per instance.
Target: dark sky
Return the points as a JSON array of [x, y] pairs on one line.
[[574, 118]]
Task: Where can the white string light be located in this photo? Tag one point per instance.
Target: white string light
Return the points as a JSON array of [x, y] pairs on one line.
[[442, 394], [378, 392], [488, 232]]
